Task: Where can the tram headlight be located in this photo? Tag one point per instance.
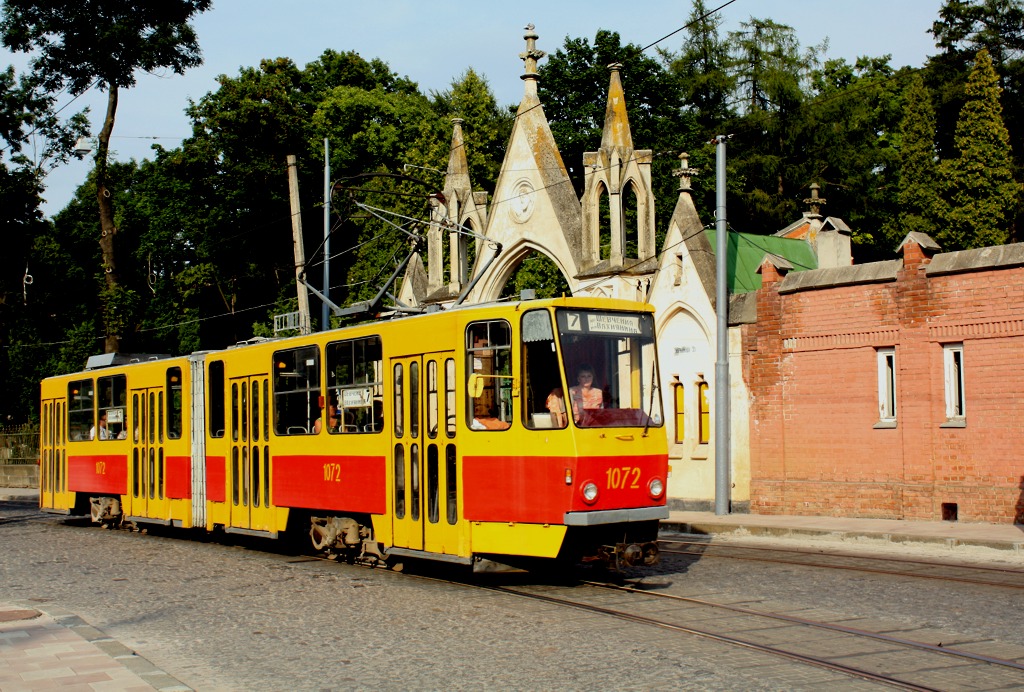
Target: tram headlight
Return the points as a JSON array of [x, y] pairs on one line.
[[656, 488], [590, 492]]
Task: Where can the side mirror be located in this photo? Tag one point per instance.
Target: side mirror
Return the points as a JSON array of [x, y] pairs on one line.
[[475, 386]]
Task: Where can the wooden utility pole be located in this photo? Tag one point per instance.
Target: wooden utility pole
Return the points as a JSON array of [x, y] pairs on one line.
[[297, 246]]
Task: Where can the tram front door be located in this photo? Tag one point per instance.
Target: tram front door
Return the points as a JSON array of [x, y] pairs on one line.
[[148, 484], [424, 467], [249, 465]]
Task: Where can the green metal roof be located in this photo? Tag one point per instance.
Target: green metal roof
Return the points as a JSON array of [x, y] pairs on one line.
[[747, 251]]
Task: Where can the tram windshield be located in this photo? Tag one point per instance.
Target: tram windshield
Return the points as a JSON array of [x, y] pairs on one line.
[[610, 369]]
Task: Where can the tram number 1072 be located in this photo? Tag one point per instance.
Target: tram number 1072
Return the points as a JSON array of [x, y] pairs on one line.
[[623, 477], [332, 472]]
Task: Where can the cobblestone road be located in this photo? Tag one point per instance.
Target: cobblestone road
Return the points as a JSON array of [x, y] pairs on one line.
[[233, 617]]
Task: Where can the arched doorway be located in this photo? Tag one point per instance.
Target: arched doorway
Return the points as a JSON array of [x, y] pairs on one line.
[[538, 272]]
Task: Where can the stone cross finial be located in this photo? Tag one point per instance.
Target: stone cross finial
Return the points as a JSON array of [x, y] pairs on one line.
[[531, 55], [814, 201], [684, 172]]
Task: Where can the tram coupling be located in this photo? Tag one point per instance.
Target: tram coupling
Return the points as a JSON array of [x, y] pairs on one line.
[[630, 554]]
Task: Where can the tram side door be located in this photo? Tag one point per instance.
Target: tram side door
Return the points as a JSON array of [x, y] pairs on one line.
[[249, 462], [440, 463], [148, 481], [53, 458], [406, 448], [424, 460]]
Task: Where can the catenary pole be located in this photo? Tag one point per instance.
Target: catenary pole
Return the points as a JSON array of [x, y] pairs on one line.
[[297, 246], [722, 454], [325, 311]]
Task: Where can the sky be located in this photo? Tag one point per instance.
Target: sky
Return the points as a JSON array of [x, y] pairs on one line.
[[434, 44]]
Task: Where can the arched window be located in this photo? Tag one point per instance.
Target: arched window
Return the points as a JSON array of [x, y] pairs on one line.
[[679, 398], [604, 224], [704, 429], [630, 221]]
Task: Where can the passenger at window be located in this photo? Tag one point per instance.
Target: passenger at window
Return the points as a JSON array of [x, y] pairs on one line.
[[556, 406], [584, 394], [103, 432], [332, 421]]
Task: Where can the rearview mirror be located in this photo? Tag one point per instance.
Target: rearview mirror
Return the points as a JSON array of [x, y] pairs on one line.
[[475, 385]]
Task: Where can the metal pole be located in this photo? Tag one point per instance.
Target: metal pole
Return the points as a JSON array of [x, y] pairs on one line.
[[722, 455], [297, 246], [325, 311]]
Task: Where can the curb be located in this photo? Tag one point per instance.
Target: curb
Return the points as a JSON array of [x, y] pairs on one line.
[[711, 529]]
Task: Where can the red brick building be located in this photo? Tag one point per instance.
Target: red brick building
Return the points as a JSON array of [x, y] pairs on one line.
[[890, 389]]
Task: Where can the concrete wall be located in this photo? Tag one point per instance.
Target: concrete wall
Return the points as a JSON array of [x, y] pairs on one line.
[[19, 476], [817, 444]]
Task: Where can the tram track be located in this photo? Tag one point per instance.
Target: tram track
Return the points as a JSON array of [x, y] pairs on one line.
[[921, 569], [746, 628], [847, 651]]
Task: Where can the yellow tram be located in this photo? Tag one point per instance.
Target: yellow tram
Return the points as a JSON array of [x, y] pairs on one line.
[[498, 432]]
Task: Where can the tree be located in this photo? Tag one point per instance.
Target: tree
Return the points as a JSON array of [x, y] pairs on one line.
[[980, 193], [102, 43], [702, 68], [844, 139], [770, 73], [918, 193]]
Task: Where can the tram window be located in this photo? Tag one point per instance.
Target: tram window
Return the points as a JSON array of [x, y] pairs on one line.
[[489, 362], [543, 394], [234, 411], [414, 482], [234, 475], [80, 409], [399, 481], [296, 390], [266, 475], [152, 417], [266, 410], [451, 479], [414, 399], [355, 391], [256, 411], [255, 476], [135, 418], [399, 384], [432, 400], [174, 403], [243, 411], [433, 500], [111, 401], [215, 409], [611, 368], [449, 397]]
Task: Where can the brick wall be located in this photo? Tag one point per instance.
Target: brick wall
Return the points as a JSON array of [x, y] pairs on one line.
[[817, 444]]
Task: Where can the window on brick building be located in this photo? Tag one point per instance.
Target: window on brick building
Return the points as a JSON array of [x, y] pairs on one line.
[[887, 386], [953, 375]]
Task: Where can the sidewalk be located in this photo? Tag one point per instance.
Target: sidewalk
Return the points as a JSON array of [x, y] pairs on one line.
[[951, 534], [45, 648]]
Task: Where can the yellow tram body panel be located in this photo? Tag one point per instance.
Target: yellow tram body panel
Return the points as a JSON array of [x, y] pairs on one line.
[[436, 434]]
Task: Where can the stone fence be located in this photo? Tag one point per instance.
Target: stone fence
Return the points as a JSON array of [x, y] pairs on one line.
[[19, 456]]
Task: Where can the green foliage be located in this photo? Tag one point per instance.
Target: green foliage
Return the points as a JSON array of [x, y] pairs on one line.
[[918, 196], [979, 191], [539, 273], [104, 42]]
